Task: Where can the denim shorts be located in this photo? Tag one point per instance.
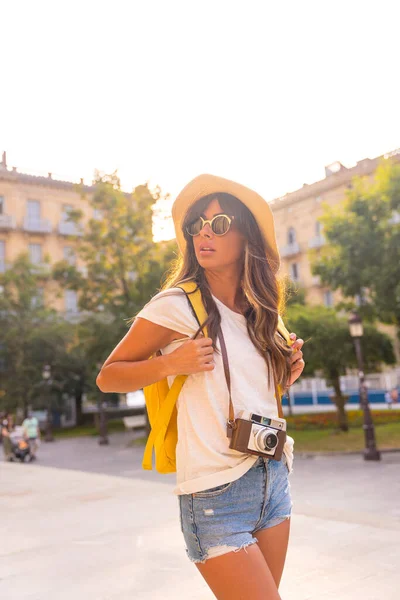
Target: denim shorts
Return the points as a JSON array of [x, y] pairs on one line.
[[224, 518]]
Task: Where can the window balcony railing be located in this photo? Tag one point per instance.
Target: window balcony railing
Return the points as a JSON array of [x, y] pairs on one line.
[[73, 314], [316, 242], [290, 250], [68, 228], [7, 222], [37, 225], [41, 267]]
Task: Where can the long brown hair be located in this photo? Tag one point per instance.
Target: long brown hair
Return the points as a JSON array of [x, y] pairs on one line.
[[263, 292]]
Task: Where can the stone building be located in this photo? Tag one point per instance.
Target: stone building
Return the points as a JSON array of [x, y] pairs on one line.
[[33, 219], [298, 227], [34, 210]]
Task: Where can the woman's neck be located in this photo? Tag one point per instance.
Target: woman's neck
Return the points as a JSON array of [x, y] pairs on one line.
[[227, 289]]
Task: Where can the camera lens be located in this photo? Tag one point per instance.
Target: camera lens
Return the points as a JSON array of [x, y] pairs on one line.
[[266, 440], [270, 441]]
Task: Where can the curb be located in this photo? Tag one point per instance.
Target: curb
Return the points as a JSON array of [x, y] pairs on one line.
[[345, 453]]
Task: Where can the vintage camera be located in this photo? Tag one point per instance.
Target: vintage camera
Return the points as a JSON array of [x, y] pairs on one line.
[[255, 434]]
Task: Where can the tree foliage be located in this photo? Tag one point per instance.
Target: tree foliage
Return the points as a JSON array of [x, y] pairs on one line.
[[329, 347], [294, 294], [30, 333], [362, 256], [123, 266]]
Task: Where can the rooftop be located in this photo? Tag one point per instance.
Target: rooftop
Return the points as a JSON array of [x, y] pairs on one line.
[[336, 174]]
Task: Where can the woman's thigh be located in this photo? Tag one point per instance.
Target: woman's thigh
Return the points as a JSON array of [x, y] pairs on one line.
[[222, 526], [221, 520], [273, 529], [240, 576], [273, 544]]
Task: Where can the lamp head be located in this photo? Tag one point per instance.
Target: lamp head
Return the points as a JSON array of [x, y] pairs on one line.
[[355, 325]]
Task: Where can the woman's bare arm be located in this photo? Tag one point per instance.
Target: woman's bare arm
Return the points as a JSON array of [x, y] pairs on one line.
[[128, 367]]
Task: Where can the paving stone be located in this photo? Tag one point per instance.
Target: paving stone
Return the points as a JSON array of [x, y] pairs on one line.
[[85, 522]]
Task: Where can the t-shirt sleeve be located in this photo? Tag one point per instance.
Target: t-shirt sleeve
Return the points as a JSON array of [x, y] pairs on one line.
[[171, 309]]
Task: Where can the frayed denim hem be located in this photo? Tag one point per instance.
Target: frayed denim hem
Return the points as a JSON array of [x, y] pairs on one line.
[[273, 523], [216, 551]]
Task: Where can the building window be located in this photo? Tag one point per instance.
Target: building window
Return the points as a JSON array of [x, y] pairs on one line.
[[2, 256], [328, 298], [38, 298], [294, 271], [33, 210], [318, 229], [35, 253], [2, 205], [71, 301], [66, 209], [291, 236], [69, 255]]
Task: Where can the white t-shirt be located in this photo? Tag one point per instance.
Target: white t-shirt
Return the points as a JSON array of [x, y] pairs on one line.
[[203, 457]]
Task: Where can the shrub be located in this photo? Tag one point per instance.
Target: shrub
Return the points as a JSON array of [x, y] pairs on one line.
[[328, 420]]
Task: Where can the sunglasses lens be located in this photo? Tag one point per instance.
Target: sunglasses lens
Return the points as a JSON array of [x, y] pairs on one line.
[[220, 225], [195, 227]]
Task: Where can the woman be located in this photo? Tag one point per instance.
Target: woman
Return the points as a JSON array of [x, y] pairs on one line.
[[234, 507]]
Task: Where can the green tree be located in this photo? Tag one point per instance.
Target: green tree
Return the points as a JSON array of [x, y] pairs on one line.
[[329, 348], [123, 269], [362, 254], [123, 266], [29, 332], [92, 337], [294, 294]]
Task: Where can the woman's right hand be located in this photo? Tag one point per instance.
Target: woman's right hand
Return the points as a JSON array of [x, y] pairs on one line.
[[193, 356]]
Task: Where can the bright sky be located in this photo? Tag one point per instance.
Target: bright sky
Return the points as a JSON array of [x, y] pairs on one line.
[[266, 93]]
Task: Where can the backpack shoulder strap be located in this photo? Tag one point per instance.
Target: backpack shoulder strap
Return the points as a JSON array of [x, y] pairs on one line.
[[193, 294], [163, 418], [284, 332]]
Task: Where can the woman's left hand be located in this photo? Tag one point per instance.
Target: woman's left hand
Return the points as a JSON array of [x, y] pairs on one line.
[[296, 358]]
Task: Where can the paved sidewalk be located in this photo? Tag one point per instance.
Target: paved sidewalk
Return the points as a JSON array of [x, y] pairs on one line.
[[81, 534]]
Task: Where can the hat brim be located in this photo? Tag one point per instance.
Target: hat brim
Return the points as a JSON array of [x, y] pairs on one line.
[[203, 185]]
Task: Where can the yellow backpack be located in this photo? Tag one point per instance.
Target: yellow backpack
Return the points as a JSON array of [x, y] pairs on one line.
[[161, 399]]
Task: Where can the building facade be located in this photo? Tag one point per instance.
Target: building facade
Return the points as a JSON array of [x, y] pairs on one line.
[[34, 219], [298, 227]]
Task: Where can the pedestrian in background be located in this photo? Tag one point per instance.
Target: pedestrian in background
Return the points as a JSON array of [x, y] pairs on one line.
[[32, 432], [7, 427], [394, 394]]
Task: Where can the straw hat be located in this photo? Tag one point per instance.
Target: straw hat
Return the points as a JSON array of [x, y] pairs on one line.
[[203, 185]]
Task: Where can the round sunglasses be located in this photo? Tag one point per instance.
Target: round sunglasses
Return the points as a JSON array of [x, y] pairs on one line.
[[220, 225]]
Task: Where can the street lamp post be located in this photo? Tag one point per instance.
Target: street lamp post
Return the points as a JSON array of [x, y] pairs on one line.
[[103, 433], [356, 331], [46, 375]]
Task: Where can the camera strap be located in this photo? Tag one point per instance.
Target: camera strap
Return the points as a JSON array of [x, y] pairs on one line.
[[231, 417]]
